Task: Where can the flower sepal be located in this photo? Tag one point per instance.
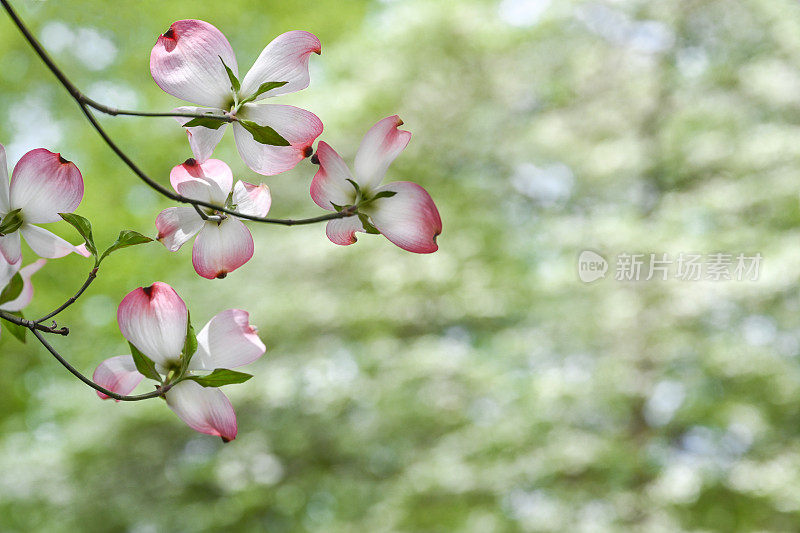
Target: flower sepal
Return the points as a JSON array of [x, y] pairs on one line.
[[11, 222], [18, 331], [144, 365], [189, 348], [220, 377], [12, 291]]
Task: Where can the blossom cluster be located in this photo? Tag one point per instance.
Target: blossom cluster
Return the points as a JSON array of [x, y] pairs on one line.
[[194, 62]]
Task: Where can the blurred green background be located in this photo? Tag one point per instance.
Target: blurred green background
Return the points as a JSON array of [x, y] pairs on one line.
[[483, 388]]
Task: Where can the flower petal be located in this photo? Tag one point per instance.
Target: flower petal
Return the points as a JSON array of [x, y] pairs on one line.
[[330, 185], [154, 319], [185, 62], [380, 146], [343, 230], [47, 244], [227, 341], [45, 184], [221, 248], [117, 374], [210, 181], [284, 59], [204, 409], [252, 199], [7, 271], [4, 205], [10, 248], [176, 225], [25, 297], [202, 140], [298, 126], [409, 219]]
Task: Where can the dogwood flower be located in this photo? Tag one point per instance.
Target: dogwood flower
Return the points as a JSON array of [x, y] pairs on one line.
[[192, 61], [43, 184], [154, 320], [7, 273], [402, 211], [224, 243]]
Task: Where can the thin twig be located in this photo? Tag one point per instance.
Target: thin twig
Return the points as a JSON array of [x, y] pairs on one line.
[[32, 325], [113, 111], [72, 300], [85, 102], [155, 394], [76, 93]]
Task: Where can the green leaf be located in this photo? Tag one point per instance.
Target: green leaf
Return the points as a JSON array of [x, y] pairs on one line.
[[384, 194], [220, 377], [234, 82], [209, 123], [126, 238], [189, 347], [264, 87], [144, 364], [15, 329], [264, 134], [12, 290], [11, 222], [368, 227], [84, 227], [355, 185]]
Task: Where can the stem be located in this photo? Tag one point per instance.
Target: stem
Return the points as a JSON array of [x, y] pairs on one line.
[[33, 325], [155, 394], [113, 111], [72, 300], [85, 103], [75, 92], [200, 212]]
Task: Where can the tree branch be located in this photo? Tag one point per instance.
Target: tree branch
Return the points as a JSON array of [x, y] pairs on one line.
[[160, 391], [72, 300], [85, 103], [34, 325]]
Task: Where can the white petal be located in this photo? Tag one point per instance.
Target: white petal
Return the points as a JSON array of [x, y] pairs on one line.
[[284, 59], [227, 341], [330, 185], [7, 271], [155, 320], [176, 225], [10, 247], [25, 297], [185, 62], [47, 244], [4, 205], [117, 374], [298, 126], [210, 181], [252, 199], [409, 219], [202, 140], [221, 248], [204, 409], [343, 230], [43, 185], [380, 146]]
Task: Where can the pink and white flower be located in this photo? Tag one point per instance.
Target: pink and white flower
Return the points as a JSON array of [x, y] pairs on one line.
[[155, 319], [188, 61], [43, 184], [224, 243], [402, 211], [7, 272]]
